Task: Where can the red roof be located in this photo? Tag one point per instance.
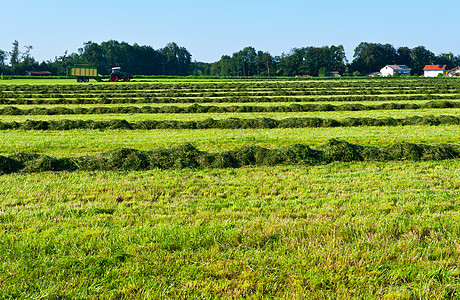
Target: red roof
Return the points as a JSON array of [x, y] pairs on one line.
[[434, 68]]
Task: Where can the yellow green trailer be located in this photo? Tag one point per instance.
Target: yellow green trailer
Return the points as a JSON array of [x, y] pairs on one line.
[[83, 73]]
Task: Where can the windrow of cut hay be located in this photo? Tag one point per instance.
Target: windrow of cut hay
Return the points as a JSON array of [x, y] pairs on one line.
[[196, 108], [229, 123], [187, 156], [136, 99], [288, 86], [233, 91]]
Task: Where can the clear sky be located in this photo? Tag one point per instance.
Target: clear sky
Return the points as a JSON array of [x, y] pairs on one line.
[[210, 29]]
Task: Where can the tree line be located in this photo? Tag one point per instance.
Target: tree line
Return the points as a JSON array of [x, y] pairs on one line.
[[176, 60], [141, 60]]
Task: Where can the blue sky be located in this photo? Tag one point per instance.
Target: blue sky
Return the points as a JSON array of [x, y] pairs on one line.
[[210, 29]]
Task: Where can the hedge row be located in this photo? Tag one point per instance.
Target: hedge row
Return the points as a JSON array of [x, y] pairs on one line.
[[187, 156], [230, 123], [12, 110]]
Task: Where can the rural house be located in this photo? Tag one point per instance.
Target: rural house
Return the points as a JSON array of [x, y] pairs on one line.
[[333, 74], [374, 74], [453, 72], [392, 70], [433, 70]]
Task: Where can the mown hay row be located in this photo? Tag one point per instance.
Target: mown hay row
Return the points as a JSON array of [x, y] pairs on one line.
[[436, 84], [187, 156], [230, 123], [227, 99], [12, 110], [250, 91]]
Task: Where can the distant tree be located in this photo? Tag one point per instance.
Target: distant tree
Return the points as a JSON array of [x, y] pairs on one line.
[[201, 68], [267, 61], [370, 57], [177, 60], [248, 58], [404, 56], [3, 57], [148, 60], [93, 54], [364, 58], [223, 67], [14, 54], [421, 57], [447, 59], [26, 56], [388, 55], [322, 72], [291, 64]]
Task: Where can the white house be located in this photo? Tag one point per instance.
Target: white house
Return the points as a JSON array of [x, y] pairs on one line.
[[454, 72], [433, 70], [392, 70]]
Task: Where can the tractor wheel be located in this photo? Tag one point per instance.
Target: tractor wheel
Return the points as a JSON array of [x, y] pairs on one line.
[[113, 77], [85, 79], [126, 78], [79, 79]]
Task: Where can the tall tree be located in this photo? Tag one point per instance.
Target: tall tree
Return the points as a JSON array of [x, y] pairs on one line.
[[268, 62], [93, 54], [248, 56], [177, 59], [3, 56], [447, 59], [14, 54], [404, 56], [370, 57], [421, 57], [27, 58]]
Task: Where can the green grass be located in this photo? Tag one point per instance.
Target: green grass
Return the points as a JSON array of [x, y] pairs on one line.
[[368, 230], [337, 115], [340, 231], [78, 142]]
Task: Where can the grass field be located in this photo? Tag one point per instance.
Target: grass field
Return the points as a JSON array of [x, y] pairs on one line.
[[353, 230]]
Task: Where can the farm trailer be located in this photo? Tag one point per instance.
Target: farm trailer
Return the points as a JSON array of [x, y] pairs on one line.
[[84, 73]]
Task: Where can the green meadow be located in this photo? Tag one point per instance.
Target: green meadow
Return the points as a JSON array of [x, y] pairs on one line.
[[340, 230]]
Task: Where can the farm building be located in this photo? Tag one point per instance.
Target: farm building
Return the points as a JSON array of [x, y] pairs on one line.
[[392, 70], [433, 70], [38, 73], [374, 74], [333, 74], [453, 72]]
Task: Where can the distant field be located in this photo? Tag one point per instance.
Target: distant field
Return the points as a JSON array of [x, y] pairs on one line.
[[360, 229]]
